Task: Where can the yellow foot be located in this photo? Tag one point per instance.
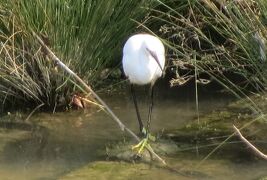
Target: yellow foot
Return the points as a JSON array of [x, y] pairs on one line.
[[140, 146], [144, 143]]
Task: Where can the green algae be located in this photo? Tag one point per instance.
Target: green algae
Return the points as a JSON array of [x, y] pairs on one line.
[[120, 171]]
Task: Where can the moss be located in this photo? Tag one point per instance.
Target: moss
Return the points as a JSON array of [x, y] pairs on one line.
[[117, 170], [212, 129]]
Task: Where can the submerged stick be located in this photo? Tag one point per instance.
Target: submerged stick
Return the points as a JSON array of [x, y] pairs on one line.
[[251, 146], [37, 107], [90, 90]]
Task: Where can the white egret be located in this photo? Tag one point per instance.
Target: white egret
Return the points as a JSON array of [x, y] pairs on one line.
[[143, 63]]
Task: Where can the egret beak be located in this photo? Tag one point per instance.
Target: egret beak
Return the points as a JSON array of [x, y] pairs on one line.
[[153, 54]]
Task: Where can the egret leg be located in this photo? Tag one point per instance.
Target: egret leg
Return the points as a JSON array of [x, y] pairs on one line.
[[151, 94], [141, 126], [144, 143]]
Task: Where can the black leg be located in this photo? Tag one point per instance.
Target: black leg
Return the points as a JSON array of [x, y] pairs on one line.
[[141, 126], [151, 93]]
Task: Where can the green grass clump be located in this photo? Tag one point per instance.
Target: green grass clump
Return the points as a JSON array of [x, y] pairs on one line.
[[86, 34]]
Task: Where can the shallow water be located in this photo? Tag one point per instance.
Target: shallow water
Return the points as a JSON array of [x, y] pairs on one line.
[[70, 140]]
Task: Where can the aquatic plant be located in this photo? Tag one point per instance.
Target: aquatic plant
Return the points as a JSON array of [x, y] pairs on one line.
[[87, 35]]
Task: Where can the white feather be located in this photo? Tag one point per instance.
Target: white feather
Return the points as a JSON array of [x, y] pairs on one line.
[[138, 64]]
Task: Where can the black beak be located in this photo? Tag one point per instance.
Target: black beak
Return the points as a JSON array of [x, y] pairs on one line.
[[153, 54]]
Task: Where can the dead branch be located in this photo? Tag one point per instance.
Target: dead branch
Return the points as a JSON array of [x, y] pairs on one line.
[[251, 146]]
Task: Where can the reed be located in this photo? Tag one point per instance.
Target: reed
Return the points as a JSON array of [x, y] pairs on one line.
[[87, 35], [223, 39]]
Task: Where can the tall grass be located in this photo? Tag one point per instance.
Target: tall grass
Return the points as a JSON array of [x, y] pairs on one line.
[[227, 39], [86, 34]]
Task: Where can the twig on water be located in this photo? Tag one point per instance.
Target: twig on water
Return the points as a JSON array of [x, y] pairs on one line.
[[90, 90], [37, 107], [251, 146]]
